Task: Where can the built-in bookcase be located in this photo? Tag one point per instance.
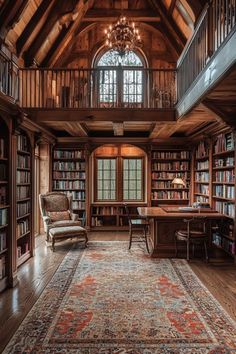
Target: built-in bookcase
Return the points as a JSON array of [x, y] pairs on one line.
[[166, 164], [223, 191], [4, 205], [24, 232], [111, 217], [201, 173], [69, 176]]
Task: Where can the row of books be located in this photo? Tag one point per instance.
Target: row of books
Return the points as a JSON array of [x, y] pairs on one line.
[[224, 191], [23, 161], [69, 166], [3, 171], [202, 176], [223, 242], [2, 148], [68, 184], [76, 195], [170, 155], [22, 227], [170, 175], [68, 175], [69, 154], [3, 241], [3, 217], [22, 177], [203, 189], [225, 176], [96, 221], [229, 161], [22, 209], [170, 195], [226, 208], [78, 204], [202, 199], [3, 195], [202, 150], [2, 266], [175, 165], [22, 192], [106, 210], [224, 142], [22, 143], [165, 184], [202, 165], [22, 249]]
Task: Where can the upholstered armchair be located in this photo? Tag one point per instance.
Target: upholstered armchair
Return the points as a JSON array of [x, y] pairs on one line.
[[56, 211]]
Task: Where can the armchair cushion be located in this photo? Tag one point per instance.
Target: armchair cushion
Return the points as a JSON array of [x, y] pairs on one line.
[[59, 215], [65, 223]]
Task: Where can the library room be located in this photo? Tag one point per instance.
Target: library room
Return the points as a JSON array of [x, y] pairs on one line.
[[117, 176]]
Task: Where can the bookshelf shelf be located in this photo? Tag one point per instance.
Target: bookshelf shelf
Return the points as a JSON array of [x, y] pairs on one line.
[[201, 176], [224, 153], [166, 164], [4, 205], [69, 175], [24, 230]]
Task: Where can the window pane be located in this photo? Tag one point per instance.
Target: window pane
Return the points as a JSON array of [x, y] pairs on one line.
[[132, 179], [106, 179]]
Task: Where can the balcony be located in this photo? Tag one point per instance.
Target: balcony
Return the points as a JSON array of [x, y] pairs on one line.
[[106, 88]]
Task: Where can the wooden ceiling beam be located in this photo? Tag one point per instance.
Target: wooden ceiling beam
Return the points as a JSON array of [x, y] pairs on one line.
[[59, 8], [33, 25], [172, 6], [161, 27], [171, 27], [111, 15], [218, 114], [82, 8], [9, 15]]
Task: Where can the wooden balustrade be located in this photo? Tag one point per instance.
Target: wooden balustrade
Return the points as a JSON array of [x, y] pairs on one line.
[[106, 87], [215, 24], [9, 77]]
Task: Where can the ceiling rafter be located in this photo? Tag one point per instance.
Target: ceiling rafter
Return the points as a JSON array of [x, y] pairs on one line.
[[106, 15], [59, 8], [33, 25], [10, 14], [170, 26]]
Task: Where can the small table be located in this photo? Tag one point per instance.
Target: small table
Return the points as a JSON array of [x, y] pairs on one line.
[[165, 221], [61, 233]]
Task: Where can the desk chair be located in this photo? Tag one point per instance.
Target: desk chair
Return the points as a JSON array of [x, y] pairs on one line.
[[192, 235], [138, 228]]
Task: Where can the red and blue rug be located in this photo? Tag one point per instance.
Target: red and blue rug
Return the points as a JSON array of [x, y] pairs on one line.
[[108, 300]]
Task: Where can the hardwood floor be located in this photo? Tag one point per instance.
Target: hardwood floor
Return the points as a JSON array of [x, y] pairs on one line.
[[219, 278]]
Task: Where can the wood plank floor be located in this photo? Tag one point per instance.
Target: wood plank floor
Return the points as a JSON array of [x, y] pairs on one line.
[[34, 275]]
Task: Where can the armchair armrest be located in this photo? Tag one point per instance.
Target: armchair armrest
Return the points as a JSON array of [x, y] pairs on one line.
[[46, 219]]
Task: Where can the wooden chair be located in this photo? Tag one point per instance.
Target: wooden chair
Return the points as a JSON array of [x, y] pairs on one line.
[[138, 228], [193, 235]]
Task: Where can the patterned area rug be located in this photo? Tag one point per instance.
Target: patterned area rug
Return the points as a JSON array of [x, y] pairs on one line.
[[107, 299]]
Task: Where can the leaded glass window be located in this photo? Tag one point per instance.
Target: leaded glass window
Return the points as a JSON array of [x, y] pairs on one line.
[[125, 84], [132, 179], [106, 179]]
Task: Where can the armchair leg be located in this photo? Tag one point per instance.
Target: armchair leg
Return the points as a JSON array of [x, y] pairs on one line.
[[86, 240]]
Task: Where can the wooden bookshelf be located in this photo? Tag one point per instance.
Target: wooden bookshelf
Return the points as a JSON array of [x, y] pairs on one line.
[[69, 175], [4, 206], [166, 164], [223, 191], [24, 182], [111, 217], [201, 174]]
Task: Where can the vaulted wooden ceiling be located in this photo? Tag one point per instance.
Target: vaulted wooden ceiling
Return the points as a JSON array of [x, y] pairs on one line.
[[59, 33], [52, 32]]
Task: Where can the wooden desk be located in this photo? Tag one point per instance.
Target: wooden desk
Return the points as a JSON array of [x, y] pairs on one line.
[[164, 224]]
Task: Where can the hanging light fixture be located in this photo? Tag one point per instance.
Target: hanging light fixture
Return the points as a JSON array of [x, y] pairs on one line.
[[122, 36]]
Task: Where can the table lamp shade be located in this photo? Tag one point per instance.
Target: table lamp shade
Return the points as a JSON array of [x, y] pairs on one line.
[[179, 181]]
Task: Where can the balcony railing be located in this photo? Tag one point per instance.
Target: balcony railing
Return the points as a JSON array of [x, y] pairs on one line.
[[216, 23], [9, 77], [105, 87]]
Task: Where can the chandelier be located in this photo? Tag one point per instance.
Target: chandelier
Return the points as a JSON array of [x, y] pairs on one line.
[[122, 36]]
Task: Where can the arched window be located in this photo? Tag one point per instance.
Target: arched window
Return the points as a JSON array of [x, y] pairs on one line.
[[120, 79]]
